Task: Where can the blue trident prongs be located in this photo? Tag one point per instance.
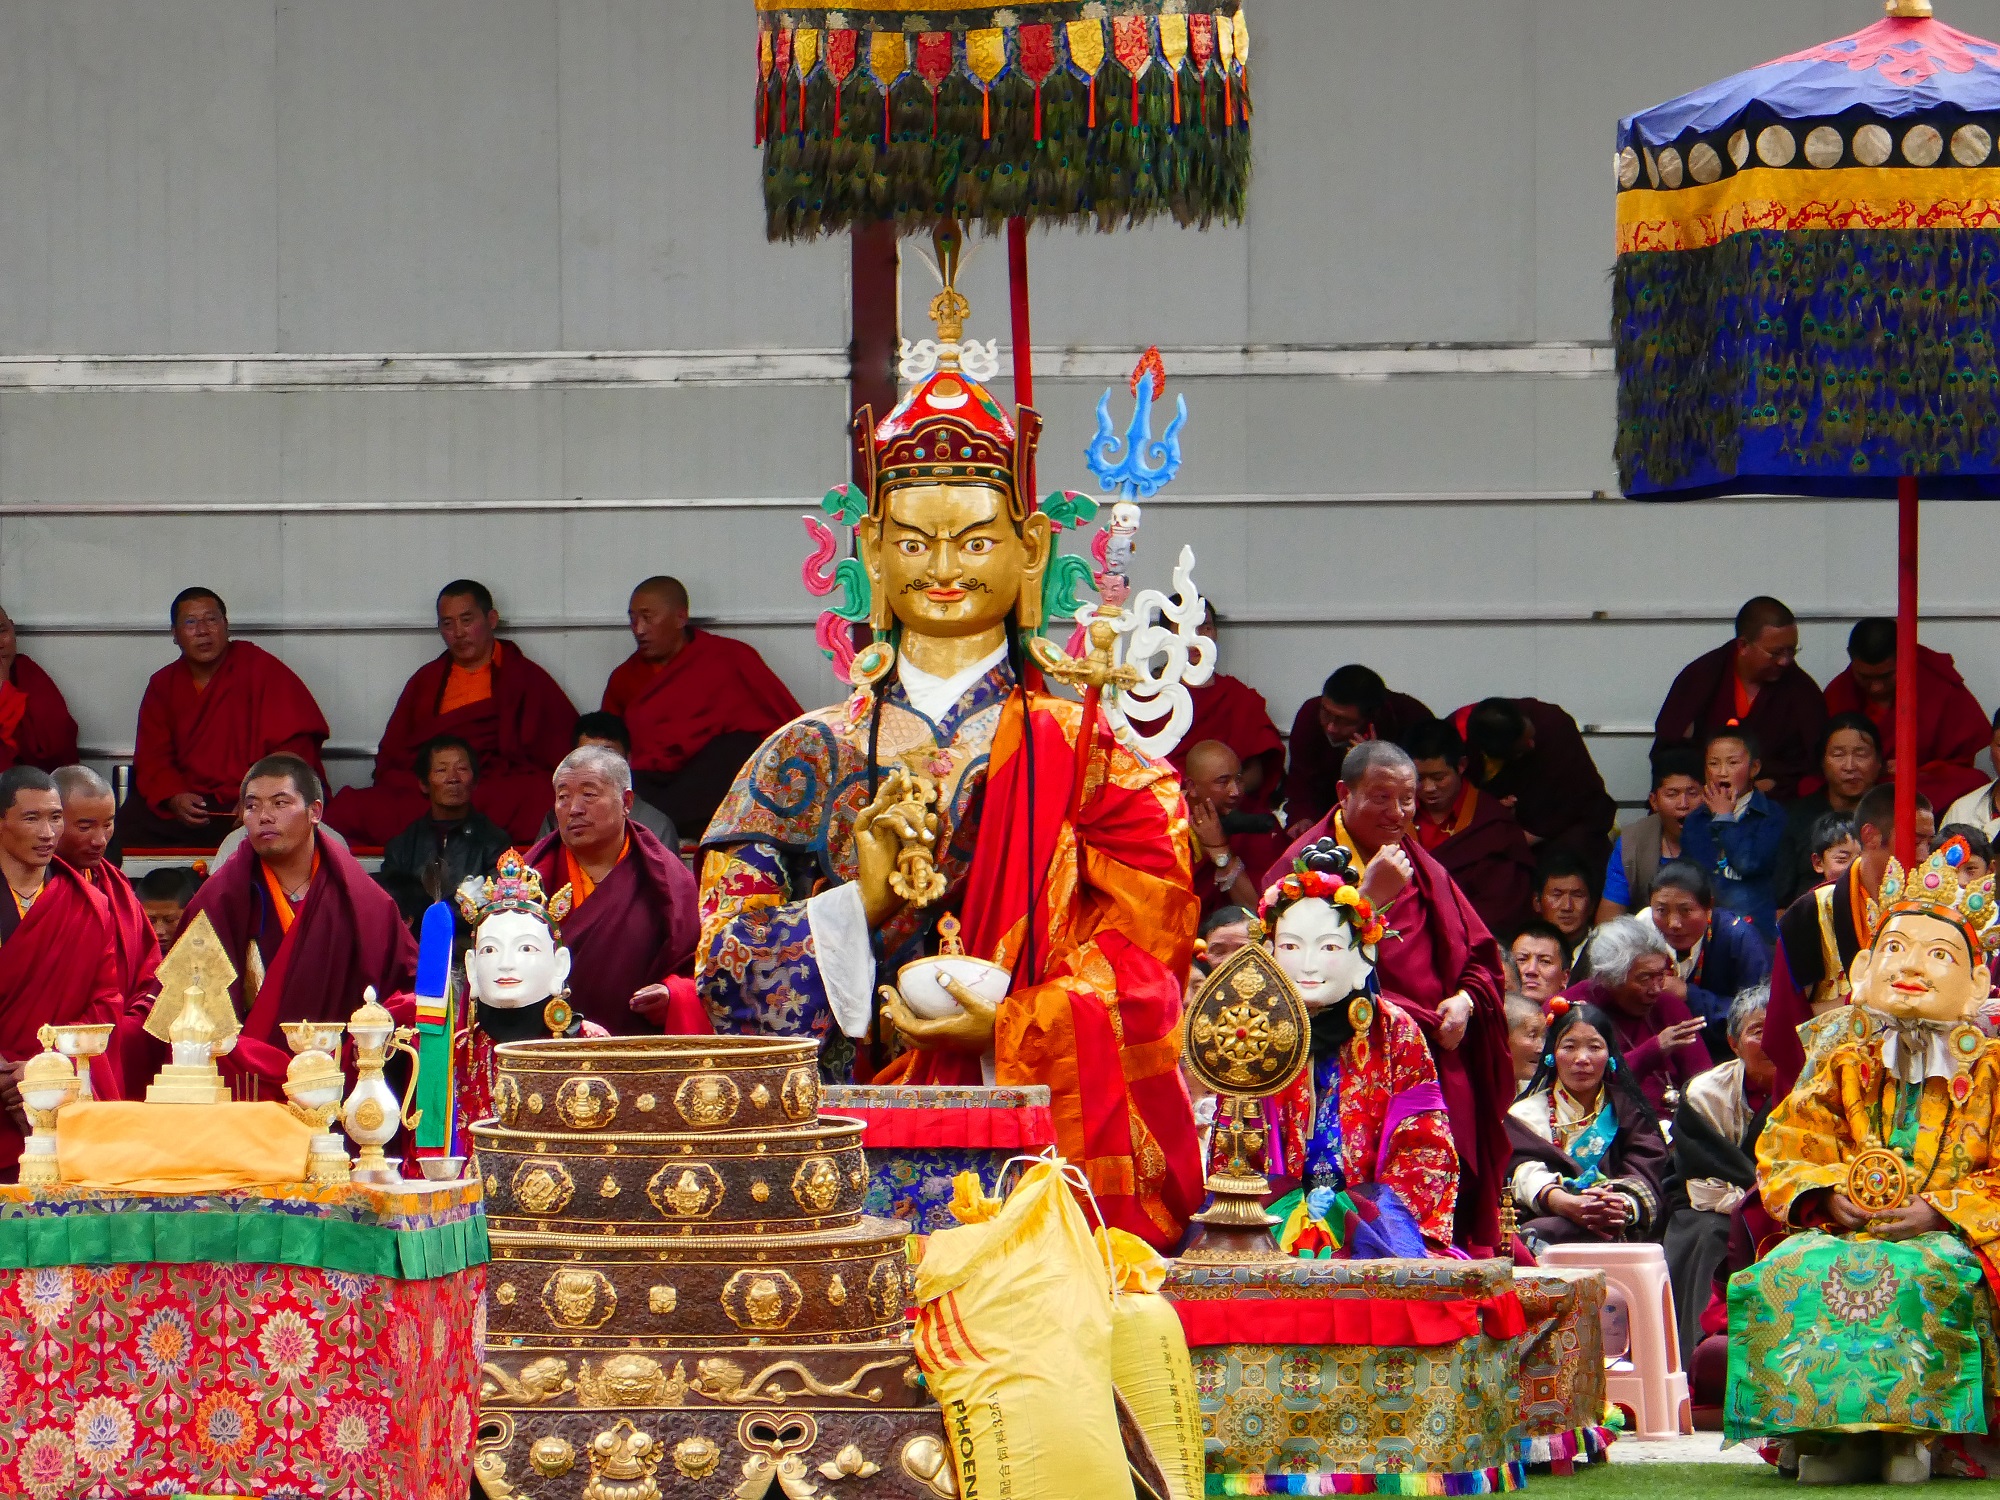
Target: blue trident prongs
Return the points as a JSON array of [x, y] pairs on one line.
[[1128, 474]]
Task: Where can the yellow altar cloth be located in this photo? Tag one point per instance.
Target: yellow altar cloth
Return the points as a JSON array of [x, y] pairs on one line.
[[180, 1148]]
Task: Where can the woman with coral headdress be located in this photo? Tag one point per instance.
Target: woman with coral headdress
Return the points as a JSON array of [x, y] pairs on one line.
[[1588, 1153], [1364, 1130]]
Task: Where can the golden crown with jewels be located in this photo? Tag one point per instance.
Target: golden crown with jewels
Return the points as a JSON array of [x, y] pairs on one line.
[[1938, 888]]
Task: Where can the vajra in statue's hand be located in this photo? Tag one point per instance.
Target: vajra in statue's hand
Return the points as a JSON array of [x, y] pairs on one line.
[[900, 815], [969, 1029]]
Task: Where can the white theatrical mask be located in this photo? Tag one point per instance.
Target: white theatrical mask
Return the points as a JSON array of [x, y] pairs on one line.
[[1319, 953], [514, 962]]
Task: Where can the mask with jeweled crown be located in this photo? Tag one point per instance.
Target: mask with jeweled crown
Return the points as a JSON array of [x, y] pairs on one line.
[[1938, 888], [514, 885]]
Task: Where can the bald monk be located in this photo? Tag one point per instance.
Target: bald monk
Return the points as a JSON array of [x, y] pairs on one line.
[[1440, 965], [58, 958], [696, 705], [1951, 726], [482, 690], [88, 808], [1753, 682], [1228, 709], [36, 728], [1232, 846], [202, 722], [306, 927], [633, 906]]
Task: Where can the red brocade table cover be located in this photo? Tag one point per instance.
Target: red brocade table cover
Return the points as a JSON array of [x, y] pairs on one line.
[[309, 1341]]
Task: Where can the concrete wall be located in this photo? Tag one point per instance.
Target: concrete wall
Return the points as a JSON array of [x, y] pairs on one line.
[[221, 215]]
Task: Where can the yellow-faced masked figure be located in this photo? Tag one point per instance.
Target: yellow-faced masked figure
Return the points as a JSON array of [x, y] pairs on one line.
[[1878, 1317], [948, 783]]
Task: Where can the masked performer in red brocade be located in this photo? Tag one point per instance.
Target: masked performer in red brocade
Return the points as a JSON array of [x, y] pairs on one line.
[[1063, 853], [517, 973], [1363, 1131]]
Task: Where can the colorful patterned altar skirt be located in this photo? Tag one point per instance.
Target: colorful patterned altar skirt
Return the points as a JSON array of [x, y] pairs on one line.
[[1394, 1377], [296, 1342], [1852, 1334], [919, 1138], [1562, 1367]]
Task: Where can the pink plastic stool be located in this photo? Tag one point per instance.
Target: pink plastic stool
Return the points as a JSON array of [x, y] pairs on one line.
[[1656, 1388]]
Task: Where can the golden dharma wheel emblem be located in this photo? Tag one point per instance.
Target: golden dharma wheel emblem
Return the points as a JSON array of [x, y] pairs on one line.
[[1247, 1031], [1877, 1181]]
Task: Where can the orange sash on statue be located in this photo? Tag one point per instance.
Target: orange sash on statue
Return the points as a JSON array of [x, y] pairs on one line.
[[1096, 1004]]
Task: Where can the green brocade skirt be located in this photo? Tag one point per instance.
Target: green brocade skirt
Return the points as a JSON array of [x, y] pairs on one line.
[[1854, 1334]]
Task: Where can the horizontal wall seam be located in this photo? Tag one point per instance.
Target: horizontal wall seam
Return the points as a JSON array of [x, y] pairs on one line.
[[643, 369], [1231, 619]]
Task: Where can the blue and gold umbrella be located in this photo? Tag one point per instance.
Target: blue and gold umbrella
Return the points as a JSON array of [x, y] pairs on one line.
[[1807, 292]]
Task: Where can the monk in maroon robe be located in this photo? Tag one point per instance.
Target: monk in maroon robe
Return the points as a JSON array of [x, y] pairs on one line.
[[1353, 706], [57, 957], [1530, 756], [1442, 968], [88, 809], [482, 690], [36, 727], [697, 706], [305, 926], [202, 722], [1951, 726], [633, 913], [1470, 833], [1753, 682]]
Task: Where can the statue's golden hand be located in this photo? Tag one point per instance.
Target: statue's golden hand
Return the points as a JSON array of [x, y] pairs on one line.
[[878, 842], [970, 1030], [895, 840]]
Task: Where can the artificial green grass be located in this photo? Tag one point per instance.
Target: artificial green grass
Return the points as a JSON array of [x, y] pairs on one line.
[[1698, 1482]]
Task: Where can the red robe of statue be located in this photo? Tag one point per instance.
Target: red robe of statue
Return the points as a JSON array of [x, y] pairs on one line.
[[309, 964], [58, 964], [1440, 948], [712, 686], [1487, 856], [138, 949], [520, 732], [1951, 728], [1786, 715], [637, 927], [203, 740], [36, 728]]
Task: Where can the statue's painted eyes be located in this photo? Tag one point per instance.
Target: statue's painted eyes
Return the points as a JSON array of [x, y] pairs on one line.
[[979, 546], [909, 546]]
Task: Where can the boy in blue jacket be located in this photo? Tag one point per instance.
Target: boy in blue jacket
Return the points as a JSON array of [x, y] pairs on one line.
[[1734, 835]]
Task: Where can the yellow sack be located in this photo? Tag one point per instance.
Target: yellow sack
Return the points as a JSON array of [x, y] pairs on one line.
[[1150, 1363], [1014, 1337]]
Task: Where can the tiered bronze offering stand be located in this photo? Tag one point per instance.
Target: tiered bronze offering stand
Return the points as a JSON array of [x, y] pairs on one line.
[[685, 1297]]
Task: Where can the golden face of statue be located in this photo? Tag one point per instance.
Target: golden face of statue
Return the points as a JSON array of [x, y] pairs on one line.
[[1920, 969], [947, 561]]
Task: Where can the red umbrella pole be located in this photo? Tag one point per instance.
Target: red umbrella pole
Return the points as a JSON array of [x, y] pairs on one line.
[[1906, 669], [1017, 296]]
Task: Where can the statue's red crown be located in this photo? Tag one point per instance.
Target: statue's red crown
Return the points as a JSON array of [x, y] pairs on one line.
[[948, 427]]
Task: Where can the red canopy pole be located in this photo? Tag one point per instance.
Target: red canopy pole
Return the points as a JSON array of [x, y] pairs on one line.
[[1017, 296], [1024, 347], [1906, 669]]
